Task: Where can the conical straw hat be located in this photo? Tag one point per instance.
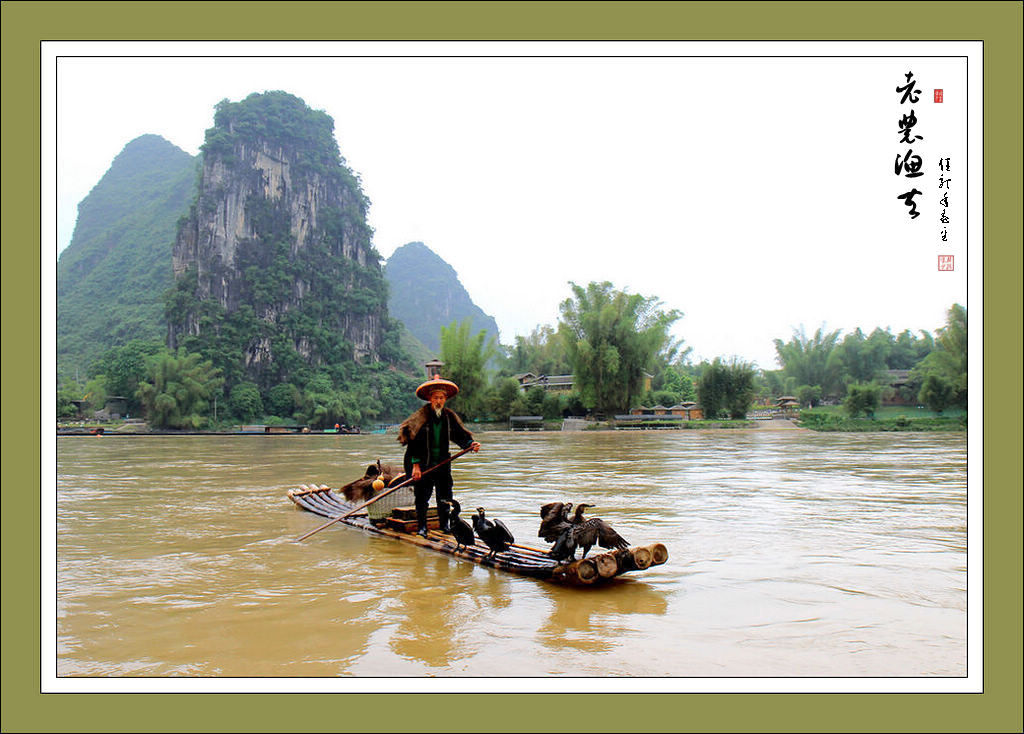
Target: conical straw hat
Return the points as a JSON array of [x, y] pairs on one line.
[[437, 383]]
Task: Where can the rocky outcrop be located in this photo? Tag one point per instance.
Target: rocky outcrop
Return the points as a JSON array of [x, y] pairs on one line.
[[278, 232]]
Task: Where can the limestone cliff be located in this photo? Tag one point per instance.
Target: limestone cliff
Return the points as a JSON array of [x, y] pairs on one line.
[[275, 255]]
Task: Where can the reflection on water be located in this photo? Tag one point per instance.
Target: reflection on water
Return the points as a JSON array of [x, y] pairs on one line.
[[791, 554], [576, 616]]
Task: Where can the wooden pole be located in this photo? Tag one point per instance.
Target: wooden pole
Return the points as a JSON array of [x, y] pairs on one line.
[[382, 495]]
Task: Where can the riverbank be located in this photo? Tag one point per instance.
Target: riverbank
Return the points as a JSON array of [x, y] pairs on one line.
[[808, 421], [824, 423]]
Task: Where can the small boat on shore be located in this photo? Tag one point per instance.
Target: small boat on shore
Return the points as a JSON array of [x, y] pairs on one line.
[[399, 524]]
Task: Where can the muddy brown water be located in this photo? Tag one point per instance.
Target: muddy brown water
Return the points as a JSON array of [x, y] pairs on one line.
[[791, 554]]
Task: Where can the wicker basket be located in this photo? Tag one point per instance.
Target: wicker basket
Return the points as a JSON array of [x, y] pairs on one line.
[[381, 510]]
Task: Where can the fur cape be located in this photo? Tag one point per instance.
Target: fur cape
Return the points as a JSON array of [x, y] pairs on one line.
[[415, 422]]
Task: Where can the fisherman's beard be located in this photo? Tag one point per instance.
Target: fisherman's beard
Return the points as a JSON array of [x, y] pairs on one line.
[[438, 411]]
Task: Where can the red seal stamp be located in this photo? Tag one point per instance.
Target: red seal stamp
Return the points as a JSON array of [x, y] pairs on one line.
[[945, 263], [938, 95]]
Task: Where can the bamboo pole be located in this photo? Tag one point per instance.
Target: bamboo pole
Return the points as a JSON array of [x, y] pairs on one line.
[[583, 571], [607, 565], [641, 557], [632, 559], [382, 495], [659, 553]]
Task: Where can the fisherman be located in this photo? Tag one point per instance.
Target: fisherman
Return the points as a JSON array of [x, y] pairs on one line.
[[426, 435]]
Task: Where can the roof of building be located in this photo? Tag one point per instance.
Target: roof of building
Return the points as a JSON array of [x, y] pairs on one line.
[[547, 379]]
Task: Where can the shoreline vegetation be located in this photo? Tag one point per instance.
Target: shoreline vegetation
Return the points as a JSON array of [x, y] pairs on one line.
[[817, 420]]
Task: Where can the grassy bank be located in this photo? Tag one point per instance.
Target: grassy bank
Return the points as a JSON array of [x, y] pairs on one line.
[[888, 418]]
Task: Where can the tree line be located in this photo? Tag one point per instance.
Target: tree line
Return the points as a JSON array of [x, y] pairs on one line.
[[827, 368], [616, 345], [613, 342]]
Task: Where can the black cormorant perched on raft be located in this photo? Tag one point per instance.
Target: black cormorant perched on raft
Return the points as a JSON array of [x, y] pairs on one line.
[[493, 533], [460, 529], [554, 519], [585, 533]]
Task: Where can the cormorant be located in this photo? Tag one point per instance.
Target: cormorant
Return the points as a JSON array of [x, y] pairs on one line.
[[554, 519], [460, 529], [362, 489], [564, 549], [492, 532], [585, 533]]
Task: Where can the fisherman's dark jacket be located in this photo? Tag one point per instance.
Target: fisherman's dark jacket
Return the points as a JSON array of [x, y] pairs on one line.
[[415, 434]]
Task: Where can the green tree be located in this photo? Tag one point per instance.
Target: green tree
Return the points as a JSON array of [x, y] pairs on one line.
[[541, 352], [862, 398], [774, 384], [726, 388], [535, 400], [245, 401], [741, 389], [125, 367], [465, 356], [907, 349], [281, 400], [502, 397], [809, 395], [863, 358], [711, 388], [65, 408], [96, 392], [178, 390], [551, 406], [666, 398], [812, 361], [322, 404], [948, 360], [937, 393], [612, 338], [671, 386]]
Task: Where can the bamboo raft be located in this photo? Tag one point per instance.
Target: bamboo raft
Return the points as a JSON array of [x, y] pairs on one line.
[[523, 560]]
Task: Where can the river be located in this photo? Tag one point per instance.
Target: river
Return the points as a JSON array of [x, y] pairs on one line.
[[791, 554]]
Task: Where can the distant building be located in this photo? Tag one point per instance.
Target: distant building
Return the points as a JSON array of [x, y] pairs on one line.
[[896, 385], [787, 405], [552, 383], [688, 411], [433, 367], [115, 408]]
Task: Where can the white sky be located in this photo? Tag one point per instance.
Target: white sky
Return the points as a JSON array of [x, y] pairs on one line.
[[756, 195]]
